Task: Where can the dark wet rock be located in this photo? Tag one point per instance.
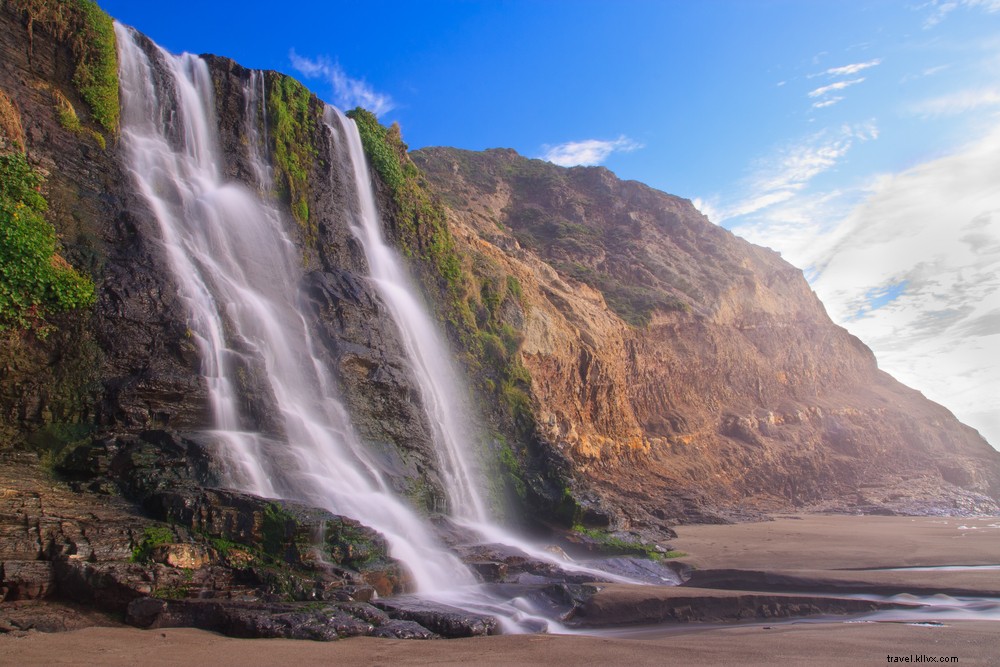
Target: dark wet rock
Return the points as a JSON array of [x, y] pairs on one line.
[[378, 388], [789, 582], [651, 604], [511, 561], [141, 464], [659, 572], [26, 579], [445, 620], [50, 616], [490, 560], [166, 472], [547, 600], [488, 570], [366, 612], [288, 621], [322, 622], [97, 549], [403, 630]]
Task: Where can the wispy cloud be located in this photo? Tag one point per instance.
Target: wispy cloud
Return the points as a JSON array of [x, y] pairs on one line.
[[827, 103], [940, 9], [784, 175], [347, 92], [930, 71], [588, 152], [838, 85], [958, 102], [707, 208], [912, 267], [850, 70]]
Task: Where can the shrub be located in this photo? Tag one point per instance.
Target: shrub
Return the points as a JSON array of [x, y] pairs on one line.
[[35, 281]]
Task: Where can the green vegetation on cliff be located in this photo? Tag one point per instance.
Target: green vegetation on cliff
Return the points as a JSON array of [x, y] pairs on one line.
[[292, 121], [90, 35], [422, 225], [35, 281]]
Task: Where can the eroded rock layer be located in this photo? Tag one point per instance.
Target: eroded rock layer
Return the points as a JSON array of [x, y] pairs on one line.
[[688, 374]]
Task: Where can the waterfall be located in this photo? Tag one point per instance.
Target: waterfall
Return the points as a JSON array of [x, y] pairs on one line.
[[239, 275], [447, 410], [440, 389]]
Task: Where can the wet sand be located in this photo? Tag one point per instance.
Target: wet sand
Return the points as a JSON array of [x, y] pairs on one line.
[[828, 644], [816, 546], [832, 542]]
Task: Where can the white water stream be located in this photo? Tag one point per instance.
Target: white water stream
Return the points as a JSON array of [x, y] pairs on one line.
[[239, 276]]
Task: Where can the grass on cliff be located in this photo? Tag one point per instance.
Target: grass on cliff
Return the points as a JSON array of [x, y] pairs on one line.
[[90, 35], [292, 123], [35, 280]]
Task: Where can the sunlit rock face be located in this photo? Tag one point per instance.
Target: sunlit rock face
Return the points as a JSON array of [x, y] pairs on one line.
[[688, 374]]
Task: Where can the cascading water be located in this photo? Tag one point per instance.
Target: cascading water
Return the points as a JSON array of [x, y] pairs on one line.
[[238, 273], [440, 388], [428, 355]]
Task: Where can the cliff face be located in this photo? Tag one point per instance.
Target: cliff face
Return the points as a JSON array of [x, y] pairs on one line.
[[686, 373], [672, 371], [129, 364]]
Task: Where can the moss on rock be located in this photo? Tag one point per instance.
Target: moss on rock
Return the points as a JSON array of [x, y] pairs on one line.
[[292, 119], [90, 35]]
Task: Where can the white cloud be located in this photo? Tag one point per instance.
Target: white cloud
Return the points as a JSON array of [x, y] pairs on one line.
[[930, 71], [933, 231], [789, 171], [958, 102], [588, 152], [827, 103], [347, 92], [854, 68], [708, 209], [839, 85], [802, 228], [940, 9]]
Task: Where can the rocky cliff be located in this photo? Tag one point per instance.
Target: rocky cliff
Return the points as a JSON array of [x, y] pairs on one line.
[[129, 364], [688, 374], [635, 365]]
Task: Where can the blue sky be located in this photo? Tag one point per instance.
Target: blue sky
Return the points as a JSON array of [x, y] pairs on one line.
[[860, 139]]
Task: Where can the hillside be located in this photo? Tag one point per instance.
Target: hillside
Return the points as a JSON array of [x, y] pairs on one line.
[[688, 374]]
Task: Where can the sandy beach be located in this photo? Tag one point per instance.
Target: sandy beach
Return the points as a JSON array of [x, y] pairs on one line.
[[832, 548]]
